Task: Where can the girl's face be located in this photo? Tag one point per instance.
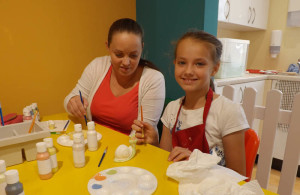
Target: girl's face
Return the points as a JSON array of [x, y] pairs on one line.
[[194, 65], [125, 51]]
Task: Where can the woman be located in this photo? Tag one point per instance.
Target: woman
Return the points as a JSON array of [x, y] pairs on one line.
[[115, 87]]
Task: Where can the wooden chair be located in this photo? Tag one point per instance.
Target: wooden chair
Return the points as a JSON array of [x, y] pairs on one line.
[[271, 114]]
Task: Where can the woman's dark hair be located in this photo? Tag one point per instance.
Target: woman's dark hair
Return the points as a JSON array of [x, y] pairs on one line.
[[130, 26], [211, 41]]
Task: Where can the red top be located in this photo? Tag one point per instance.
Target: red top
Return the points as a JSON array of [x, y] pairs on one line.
[[114, 112]]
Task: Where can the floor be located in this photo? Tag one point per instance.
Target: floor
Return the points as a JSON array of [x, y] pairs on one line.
[[274, 181]]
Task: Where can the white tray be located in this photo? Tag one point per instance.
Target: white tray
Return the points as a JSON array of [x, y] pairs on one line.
[[123, 180]]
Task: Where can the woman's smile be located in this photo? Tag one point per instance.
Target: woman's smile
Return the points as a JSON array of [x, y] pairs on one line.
[[124, 69]]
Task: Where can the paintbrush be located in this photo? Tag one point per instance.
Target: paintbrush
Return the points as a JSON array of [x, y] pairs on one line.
[[33, 121], [83, 105], [142, 120], [103, 155], [1, 115], [66, 126]]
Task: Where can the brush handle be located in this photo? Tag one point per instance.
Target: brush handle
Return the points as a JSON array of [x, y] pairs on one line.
[[142, 119], [102, 157], [2, 121], [66, 125], [83, 104], [33, 121]]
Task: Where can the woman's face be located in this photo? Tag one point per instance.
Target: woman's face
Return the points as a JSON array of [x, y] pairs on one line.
[[125, 51], [194, 65]]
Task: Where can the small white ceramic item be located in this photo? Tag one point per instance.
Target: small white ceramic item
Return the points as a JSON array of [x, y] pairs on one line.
[[124, 153]]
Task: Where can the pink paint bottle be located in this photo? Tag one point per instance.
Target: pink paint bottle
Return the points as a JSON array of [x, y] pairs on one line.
[[43, 161]]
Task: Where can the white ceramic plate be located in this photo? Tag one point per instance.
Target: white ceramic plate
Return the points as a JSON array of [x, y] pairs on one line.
[[65, 140], [123, 181]]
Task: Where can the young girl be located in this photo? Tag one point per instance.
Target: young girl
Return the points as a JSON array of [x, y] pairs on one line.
[[202, 119]]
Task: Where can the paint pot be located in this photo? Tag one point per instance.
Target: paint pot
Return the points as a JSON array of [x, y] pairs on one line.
[[43, 161], [14, 187], [92, 137], [2, 177], [52, 152], [26, 114], [78, 151]]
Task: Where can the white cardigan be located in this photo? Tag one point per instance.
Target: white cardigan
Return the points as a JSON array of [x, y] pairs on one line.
[[151, 93]]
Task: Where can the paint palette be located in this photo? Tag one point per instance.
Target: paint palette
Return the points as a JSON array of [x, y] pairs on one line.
[[123, 181], [65, 140]]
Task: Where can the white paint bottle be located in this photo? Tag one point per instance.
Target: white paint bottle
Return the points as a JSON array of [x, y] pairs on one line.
[[52, 152], [78, 130], [92, 137], [78, 151], [43, 161], [2, 177]]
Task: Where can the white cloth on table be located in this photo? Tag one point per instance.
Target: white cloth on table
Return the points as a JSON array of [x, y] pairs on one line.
[[200, 175]]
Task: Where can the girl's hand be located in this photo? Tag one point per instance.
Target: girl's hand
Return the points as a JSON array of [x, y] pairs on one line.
[[150, 134], [76, 108], [179, 153]]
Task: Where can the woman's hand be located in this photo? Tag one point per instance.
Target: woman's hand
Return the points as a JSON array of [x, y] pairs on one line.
[[76, 108], [150, 134], [179, 153]]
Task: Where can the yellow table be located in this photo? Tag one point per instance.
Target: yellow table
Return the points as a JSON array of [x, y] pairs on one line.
[[71, 180]]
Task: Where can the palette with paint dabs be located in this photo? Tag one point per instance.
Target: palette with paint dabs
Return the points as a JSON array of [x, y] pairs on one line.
[[123, 180]]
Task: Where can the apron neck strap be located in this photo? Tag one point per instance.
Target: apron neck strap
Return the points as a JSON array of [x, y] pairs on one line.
[[208, 98]]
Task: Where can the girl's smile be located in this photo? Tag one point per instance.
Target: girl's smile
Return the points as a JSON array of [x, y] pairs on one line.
[[189, 81]]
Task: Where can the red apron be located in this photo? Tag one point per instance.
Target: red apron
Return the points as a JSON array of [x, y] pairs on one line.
[[193, 137]]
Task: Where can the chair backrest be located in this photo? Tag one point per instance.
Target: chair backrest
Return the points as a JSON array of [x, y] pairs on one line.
[[271, 114], [251, 148]]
